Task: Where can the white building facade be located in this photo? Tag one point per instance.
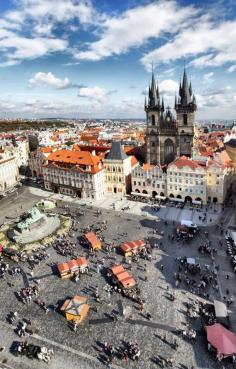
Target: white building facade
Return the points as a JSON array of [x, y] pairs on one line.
[[9, 173], [79, 174], [149, 179]]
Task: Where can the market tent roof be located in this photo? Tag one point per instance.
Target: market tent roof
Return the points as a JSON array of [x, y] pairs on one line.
[[128, 282], [191, 261], [159, 197], [63, 267], [76, 306], [197, 202], [116, 269], [220, 309], [176, 199], [93, 239], [132, 245], [140, 194], [82, 261], [222, 339]]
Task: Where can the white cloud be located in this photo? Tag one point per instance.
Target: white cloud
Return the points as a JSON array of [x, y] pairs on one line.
[[212, 44], [43, 10], [49, 79], [27, 31], [96, 93], [232, 68], [15, 48], [135, 27], [216, 98], [168, 87], [207, 77]]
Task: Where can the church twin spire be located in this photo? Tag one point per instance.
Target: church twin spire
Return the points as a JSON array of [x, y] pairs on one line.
[[154, 100], [186, 96]]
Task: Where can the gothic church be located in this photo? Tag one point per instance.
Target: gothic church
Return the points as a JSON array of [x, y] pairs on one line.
[[167, 137]]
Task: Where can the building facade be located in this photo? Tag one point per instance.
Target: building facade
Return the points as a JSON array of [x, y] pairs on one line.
[[167, 137], [9, 173], [231, 150], [186, 179], [118, 168], [37, 159], [149, 179], [220, 177], [75, 173]]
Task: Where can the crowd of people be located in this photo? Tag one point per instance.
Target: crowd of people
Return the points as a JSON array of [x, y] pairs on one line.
[[26, 294], [198, 278]]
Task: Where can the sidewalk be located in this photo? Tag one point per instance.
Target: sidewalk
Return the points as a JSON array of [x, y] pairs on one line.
[[110, 202]]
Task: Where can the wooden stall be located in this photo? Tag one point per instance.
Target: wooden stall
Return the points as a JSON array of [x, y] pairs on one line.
[[132, 248], [93, 241], [75, 309]]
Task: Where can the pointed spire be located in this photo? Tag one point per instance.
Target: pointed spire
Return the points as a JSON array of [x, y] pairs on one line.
[[185, 80], [175, 101], [153, 93], [180, 89], [194, 100], [185, 93], [145, 103], [190, 89], [162, 104]]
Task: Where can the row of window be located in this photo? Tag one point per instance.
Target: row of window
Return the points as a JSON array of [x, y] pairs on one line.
[[67, 173], [114, 179], [196, 183], [114, 169], [154, 184], [186, 189], [186, 174]]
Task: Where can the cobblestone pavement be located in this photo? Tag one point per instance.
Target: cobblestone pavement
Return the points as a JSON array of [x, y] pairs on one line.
[[81, 349], [139, 208]]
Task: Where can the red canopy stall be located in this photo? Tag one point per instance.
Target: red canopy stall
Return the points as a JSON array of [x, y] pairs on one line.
[[222, 339]]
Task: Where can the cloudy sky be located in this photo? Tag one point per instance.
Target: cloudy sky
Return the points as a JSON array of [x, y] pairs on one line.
[[92, 58]]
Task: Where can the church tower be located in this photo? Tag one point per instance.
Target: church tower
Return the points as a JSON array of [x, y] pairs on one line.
[[161, 132], [154, 109], [185, 107]]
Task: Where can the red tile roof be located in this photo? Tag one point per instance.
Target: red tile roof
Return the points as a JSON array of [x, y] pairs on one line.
[[184, 161]]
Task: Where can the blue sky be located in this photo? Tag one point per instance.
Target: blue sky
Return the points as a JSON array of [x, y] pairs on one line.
[[77, 58]]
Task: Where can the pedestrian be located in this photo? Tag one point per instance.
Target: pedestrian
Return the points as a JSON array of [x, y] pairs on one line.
[[149, 316], [162, 267], [125, 356]]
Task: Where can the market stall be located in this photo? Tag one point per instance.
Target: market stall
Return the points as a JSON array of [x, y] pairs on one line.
[[93, 241], [132, 248]]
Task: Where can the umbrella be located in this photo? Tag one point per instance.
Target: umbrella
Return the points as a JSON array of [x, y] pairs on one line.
[[222, 339]]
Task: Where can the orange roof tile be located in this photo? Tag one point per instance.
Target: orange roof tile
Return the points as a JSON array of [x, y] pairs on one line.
[[136, 244], [147, 167], [93, 240], [74, 157], [185, 161], [46, 150]]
